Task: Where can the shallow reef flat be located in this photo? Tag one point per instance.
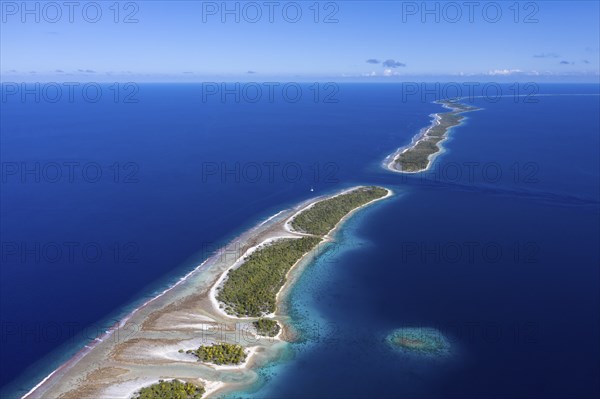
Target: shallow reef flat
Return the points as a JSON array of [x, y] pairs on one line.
[[425, 341]]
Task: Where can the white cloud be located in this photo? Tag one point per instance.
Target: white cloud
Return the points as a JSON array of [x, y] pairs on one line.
[[504, 72], [390, 72]]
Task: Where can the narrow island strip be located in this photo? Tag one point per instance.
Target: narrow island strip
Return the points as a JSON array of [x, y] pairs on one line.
[[419, 156], [250, 290], [205, 335]]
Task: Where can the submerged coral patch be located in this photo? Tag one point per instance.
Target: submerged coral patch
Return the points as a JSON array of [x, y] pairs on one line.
[[426, 341]]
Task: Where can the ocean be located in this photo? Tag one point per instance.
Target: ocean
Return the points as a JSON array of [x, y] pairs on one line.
[[104, 204]]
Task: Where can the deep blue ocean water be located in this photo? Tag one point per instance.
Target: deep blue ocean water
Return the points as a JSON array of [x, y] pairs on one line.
[[496, 246]]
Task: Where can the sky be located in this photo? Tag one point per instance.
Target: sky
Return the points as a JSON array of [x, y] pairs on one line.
[[181, 41]]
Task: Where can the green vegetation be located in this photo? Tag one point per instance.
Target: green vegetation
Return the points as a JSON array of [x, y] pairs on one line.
[[416, 158], [324, 215], [251, 289], [170, 390], [267, 327], [222, 353]]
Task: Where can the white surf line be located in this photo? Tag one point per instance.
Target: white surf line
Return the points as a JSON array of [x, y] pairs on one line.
[[88, 348], [389, 161], [272, 217], [40, 384], [111, 330]]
